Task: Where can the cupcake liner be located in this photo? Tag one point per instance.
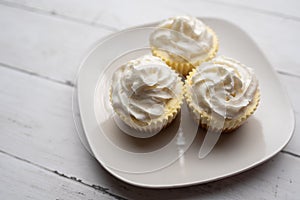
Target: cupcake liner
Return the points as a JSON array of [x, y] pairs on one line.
[[181, 65], [205, 119], [155, 125]]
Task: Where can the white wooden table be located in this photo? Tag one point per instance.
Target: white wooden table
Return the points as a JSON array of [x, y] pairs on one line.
[[41, 44]]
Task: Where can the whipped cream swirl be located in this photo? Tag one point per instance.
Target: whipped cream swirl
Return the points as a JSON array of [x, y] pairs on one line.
[[142, 87], [224, 86], [183, 36]]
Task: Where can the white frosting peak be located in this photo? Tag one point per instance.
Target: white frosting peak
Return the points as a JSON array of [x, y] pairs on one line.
[[183, 36], [223, 86], [142, 87]]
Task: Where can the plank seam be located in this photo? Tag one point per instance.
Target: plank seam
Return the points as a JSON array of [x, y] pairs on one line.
[[111, 28], [287, 73], [7, 66], [290, 153], [71, 84], [99, 188], [58, 15]]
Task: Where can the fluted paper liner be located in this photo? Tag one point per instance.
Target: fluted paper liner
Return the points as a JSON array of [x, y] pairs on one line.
[[181, 65], [155, 125], [205, 120]]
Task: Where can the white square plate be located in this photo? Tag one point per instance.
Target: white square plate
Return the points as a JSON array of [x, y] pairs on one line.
[[260, 138]]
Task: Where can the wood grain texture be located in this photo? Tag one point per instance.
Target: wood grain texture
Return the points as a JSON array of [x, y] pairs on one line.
[[277, 35], [36, 125], [44, 45], [41, 45], [22, 180], [76, 11], [284, 8]]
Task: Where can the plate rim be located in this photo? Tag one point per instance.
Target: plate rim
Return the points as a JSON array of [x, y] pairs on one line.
[[164, 186]]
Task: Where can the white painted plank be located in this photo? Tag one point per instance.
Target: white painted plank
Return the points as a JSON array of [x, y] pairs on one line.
[[287, 8], [36, 124], [276, 179], [75, 9], [276, 35], [43, 44], [62, 58], [90, 10], [21, 180]]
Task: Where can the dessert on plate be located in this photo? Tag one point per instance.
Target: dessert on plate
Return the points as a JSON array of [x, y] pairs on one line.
[[146, 94], [184, 42], [222, 94]]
